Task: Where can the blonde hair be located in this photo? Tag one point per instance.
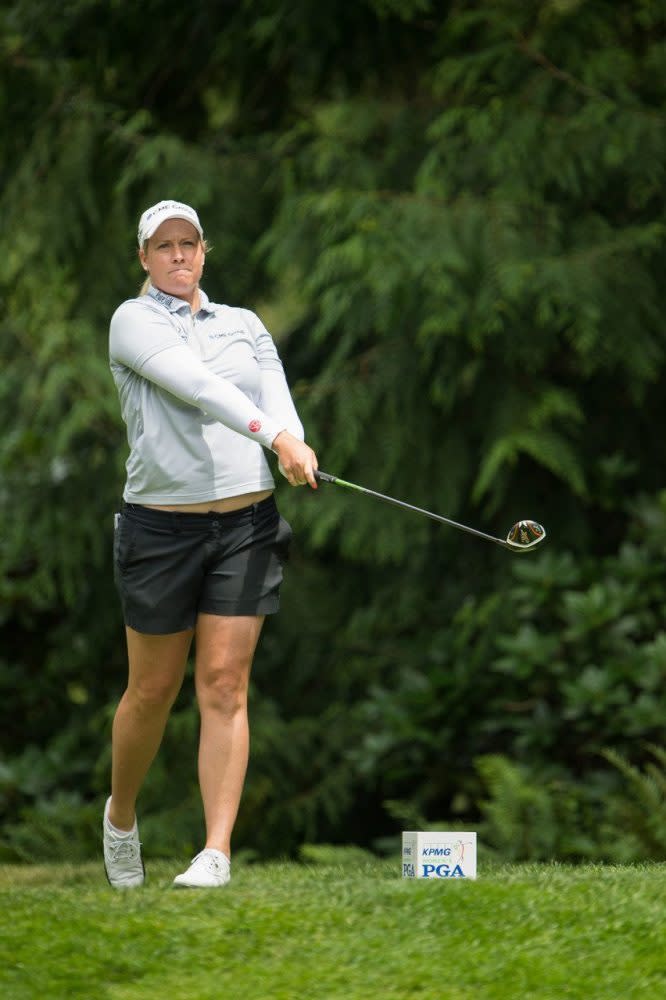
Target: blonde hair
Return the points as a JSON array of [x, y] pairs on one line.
[[146, 281]]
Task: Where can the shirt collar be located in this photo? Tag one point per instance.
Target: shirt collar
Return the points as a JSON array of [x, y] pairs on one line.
[[174, 304]]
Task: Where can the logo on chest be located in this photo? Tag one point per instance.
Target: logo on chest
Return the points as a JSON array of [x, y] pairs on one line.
[[224, 334]]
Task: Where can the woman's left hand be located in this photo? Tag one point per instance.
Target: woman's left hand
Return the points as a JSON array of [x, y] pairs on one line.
[[297, 461]]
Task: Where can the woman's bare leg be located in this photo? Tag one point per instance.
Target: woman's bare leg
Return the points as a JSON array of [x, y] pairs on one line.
[[156, 670], [224, 652]]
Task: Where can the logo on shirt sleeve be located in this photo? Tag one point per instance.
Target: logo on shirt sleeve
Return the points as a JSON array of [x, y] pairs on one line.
[[254, 426]]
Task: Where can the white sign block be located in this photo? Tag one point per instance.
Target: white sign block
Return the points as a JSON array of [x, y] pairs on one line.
[[438, 854]]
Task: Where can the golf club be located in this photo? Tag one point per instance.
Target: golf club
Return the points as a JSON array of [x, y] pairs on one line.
[[522, 536]]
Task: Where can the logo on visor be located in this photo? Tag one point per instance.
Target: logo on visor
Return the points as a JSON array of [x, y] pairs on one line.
[[254, 426]]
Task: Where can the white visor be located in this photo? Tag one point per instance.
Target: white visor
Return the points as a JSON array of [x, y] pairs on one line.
[[153, 218]]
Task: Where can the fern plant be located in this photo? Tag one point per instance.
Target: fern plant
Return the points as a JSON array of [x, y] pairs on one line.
[[637, 812], [531, 814]]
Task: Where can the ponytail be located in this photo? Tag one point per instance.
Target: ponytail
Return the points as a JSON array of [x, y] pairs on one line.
[[146, 281]]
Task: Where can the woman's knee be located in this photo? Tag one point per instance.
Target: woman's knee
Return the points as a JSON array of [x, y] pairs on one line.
[[224, 692], [154, 695]]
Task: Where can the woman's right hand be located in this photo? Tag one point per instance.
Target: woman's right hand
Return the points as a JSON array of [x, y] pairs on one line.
[[297, 461]]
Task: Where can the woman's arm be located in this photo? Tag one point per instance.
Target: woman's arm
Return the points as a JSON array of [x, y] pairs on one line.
[[277, 403], [177, 370]]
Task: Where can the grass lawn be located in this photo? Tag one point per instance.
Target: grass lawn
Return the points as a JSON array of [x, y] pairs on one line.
[[335, 932]]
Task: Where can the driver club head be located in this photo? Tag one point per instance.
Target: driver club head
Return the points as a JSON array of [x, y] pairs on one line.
[[525, 535]]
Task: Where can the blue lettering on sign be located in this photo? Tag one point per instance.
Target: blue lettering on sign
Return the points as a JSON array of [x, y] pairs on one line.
[[442, 871], [438, 852], [408, 871]]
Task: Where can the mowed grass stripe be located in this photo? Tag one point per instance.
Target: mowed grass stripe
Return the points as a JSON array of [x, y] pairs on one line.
[[288, 931]]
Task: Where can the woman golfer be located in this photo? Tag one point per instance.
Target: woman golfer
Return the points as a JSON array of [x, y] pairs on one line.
[[199, 542]]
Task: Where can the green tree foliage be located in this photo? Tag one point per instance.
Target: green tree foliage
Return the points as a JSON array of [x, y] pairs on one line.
[[492, 247], [536, 812], [565, 658], [451, 216]]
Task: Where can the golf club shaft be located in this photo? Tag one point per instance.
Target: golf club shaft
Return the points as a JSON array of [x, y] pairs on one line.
[[325, 477]]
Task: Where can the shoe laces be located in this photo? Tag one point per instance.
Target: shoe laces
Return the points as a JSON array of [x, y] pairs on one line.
[[205, 859], [125, 851]]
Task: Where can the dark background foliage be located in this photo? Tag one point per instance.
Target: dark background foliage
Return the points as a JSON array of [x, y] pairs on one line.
[[450, 215]]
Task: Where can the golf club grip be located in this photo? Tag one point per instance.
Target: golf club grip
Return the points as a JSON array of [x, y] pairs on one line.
[[324, 477]]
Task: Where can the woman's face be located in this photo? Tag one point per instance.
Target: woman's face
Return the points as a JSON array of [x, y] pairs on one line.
[[174, 258]]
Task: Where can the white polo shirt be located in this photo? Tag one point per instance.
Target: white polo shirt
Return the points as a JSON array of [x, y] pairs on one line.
[[201, 395]]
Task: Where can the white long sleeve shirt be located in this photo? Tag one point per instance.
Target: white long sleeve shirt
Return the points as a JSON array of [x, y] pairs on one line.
[[201, 395]]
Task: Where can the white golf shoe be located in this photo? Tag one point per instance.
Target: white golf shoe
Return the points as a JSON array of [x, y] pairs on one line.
[[210, 869], [122, 855]]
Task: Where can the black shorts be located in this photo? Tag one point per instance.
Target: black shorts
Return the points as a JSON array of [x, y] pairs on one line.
[[169, 566]]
